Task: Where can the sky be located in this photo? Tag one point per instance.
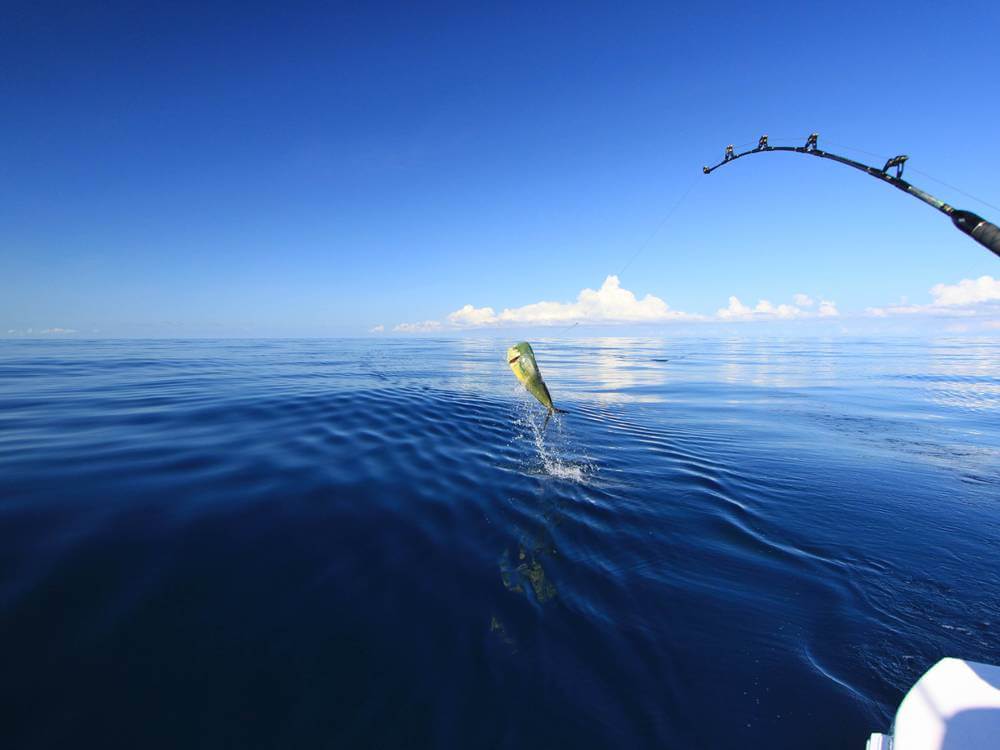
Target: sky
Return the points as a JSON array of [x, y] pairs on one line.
[[365, 168]]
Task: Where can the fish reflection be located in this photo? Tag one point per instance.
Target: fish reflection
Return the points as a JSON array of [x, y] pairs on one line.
[[526, 573]]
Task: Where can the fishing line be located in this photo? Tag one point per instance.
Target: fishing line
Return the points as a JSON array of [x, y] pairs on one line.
[[858, 150], [645, 244], [921, 172], [663, 222], [932, 178], [566, 327]]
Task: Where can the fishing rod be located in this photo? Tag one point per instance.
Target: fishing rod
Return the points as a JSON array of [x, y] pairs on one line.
[[982, 231]]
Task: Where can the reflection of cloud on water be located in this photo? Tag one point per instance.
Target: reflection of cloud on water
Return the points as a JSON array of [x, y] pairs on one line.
[[767, 364], [965, 395], [732, 372], [476, 363], [965, 375], [607, 371]]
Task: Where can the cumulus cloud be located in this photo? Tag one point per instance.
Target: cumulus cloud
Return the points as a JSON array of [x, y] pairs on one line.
[[377, 329], [966, 292], [766, 310], [736, 309], [964, 299], [467, 315], [424, 327], [613, 304], [938, 311], [610, 304]]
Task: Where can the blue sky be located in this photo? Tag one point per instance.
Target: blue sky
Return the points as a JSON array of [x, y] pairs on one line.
[[253, 169]]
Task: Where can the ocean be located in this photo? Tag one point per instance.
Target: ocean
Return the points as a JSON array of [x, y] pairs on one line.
[[738, 543]]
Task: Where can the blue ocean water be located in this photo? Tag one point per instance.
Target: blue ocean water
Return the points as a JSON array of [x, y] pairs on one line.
[[350, 543]]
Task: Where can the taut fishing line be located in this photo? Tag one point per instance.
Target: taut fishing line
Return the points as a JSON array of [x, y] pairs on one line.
[[930, 177], [663, 222]]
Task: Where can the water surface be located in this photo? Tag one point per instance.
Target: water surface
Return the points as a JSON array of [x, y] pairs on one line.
[[373, 544]]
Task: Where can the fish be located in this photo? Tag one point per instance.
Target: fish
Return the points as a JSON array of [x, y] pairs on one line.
[[521, 359]]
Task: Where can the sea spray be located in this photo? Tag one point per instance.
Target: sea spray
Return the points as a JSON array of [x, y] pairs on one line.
[[551, 446]]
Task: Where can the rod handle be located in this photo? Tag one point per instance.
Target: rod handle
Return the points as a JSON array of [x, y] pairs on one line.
[[982, 231]]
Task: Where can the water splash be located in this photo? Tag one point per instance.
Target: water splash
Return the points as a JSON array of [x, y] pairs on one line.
[[552, 445]]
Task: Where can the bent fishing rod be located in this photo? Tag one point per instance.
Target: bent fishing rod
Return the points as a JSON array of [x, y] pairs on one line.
[[982, 231]]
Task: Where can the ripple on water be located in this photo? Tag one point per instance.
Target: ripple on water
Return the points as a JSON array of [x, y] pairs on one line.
[[342, 531]]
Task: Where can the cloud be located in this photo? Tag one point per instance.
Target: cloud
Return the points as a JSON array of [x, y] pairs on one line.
[[766, 310], [56, 330], [966, 292], [472, 316], [613, 304], [967, 298], [377, 329], [736, 310], [884, 312], [610, 304], [427, 325]]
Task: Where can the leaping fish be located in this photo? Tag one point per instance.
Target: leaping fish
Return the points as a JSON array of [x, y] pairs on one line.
[[521, 359]]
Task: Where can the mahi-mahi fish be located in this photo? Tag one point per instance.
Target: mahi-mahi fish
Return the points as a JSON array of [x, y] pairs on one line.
[[522, 361]]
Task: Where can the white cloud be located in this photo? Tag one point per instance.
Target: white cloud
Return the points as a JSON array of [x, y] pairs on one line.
[[763, 310], [828, 309], [965, 299], [937, 311], [57, 330], [736, 309], [767, 310], [472, 316], [427, 325], [377, 329], [966, 292], [609, 304], [613, 304]]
